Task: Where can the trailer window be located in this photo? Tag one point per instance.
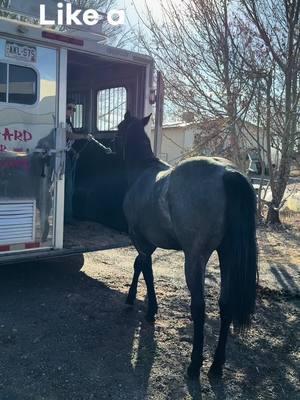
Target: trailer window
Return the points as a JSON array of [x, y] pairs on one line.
[[78, 117], [22, 85], [80, 99], [3, 82], [111, 107]]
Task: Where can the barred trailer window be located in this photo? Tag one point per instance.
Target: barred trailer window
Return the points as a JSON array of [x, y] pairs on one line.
[[78, 117], [80, 99], [111, 107]]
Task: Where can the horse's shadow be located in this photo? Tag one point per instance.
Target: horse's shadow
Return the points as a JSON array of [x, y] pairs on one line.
[[255, 360], [198, 392], [59, 323]]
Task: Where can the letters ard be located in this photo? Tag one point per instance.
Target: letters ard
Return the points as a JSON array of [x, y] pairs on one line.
[[15, 135], [66, 16]]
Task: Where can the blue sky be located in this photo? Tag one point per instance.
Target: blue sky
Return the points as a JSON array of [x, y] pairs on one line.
[[130, 9], [134, 6], [140, 6]]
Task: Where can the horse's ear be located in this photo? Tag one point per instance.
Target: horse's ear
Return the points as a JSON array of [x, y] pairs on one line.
[[127, 115], [146, 120]]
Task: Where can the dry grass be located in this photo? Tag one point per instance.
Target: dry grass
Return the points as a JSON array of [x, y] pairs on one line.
[[291, 219]]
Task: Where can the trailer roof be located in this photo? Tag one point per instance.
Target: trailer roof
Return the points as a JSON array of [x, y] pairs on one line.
[[80, 41]]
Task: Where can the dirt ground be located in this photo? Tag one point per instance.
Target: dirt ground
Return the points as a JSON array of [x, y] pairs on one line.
[[65, 332]]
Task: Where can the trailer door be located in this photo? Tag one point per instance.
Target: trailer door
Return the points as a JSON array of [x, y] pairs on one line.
[[28, 167]]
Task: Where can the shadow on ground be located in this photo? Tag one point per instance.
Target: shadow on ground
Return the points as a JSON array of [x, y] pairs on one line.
[[65, 336], [262, 364]]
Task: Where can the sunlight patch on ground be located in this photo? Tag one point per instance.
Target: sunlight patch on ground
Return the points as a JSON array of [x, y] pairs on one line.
[[135, 347]]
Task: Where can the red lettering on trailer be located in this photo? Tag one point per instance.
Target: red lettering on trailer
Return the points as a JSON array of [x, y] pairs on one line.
[[18, 136], [27, 136], [2, 148], [7, 135]]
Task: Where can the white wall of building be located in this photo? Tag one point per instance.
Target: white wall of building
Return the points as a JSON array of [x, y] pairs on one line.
[[178, 139]]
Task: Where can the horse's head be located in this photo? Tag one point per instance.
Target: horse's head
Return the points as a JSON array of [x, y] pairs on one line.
[[132, 141]]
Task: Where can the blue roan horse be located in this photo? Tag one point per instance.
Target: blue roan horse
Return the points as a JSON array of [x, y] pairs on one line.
[[201, 205]]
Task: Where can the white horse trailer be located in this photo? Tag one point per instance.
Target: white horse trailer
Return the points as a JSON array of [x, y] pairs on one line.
[[39, 70]]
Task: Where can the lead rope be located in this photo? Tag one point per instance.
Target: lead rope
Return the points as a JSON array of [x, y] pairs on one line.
[[91, 138], [107, 150]]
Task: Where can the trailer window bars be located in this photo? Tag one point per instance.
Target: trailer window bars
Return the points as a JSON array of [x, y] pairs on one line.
[[111, 107], [80, 100]]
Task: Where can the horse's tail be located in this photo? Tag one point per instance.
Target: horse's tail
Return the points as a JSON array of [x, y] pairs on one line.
[[241, 248]]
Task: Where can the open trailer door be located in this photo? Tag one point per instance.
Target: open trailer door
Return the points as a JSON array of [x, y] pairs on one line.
[[28, 149], [159, 113], [35, 79]]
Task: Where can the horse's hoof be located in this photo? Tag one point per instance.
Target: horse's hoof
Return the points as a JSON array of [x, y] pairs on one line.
[[215, 371], [130, 301], [193, 372], [150, 318]]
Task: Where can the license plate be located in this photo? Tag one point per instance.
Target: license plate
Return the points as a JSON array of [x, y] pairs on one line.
[[20, 52]]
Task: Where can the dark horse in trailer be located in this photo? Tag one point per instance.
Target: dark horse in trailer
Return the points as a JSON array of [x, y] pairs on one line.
[[201, 205]]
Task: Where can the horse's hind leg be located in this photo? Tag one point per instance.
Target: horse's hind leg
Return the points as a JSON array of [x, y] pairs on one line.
[[148, 276], [216, 368], [143, 263], [195, 273], [133, 287]]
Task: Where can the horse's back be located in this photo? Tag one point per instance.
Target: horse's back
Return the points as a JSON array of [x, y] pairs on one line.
[[206, 162]]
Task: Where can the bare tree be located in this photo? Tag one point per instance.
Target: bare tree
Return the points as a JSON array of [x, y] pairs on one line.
[[115, 35], [193, 46], [218, 56], [277, 27], [4, 3]]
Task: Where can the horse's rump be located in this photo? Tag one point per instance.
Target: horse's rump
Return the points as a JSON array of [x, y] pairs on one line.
[[197, 202]]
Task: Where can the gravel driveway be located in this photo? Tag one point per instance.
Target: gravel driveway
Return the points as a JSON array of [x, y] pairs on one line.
[[65, 332]]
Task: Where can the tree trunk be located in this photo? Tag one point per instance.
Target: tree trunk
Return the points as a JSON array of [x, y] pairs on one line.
[[273, 215]]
